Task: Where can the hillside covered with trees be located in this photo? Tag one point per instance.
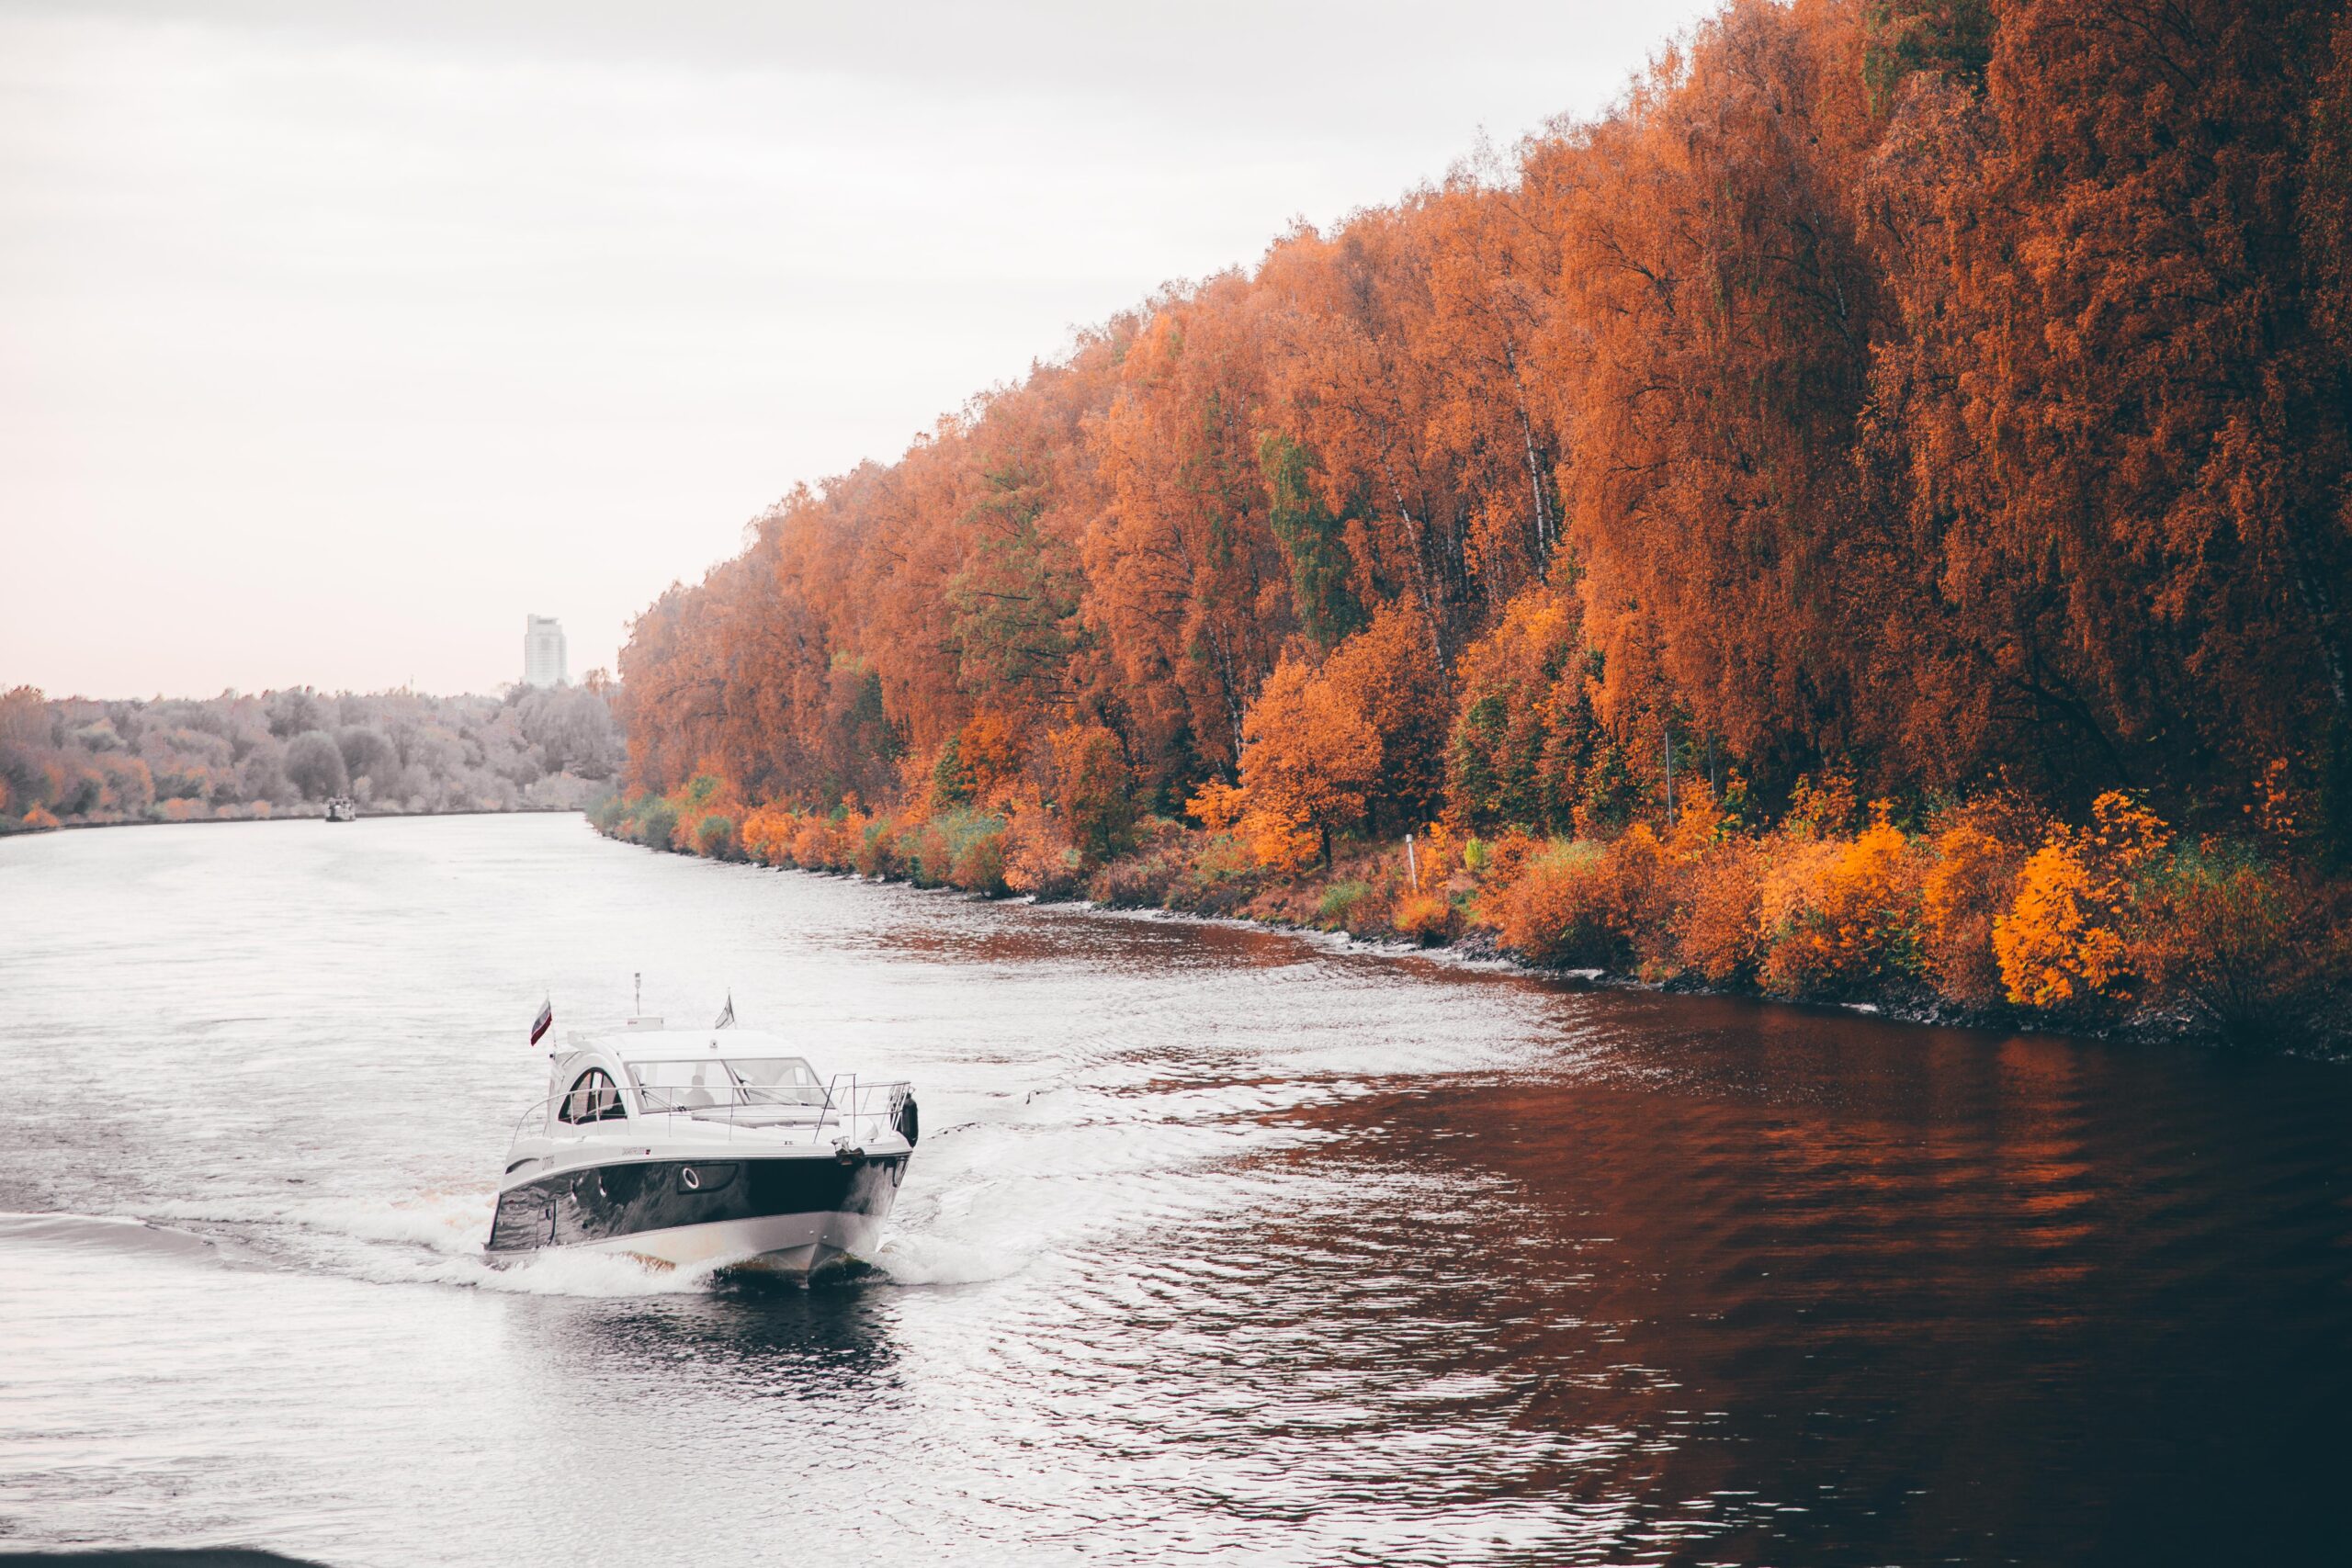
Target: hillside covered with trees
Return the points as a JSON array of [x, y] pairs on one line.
[[77, 762], [1870, 517]]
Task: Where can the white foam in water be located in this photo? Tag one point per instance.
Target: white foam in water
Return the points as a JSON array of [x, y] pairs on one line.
[[436, 1238], [557, 1271], [921, 1259]]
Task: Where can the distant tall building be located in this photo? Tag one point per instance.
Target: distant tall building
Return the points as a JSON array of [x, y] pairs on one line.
[[543, 656]]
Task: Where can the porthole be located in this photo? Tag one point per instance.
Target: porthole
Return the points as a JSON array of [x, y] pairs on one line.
[[704, 1178]]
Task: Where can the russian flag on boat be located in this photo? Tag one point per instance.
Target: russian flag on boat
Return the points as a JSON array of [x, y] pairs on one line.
[[545, 1021]]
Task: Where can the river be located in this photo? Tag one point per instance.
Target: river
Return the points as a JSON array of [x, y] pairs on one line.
[[1221, 1242]]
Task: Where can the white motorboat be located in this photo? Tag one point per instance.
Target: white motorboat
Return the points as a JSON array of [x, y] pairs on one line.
[[693, 1146]]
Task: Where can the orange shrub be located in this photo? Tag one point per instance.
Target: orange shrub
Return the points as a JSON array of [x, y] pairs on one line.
[[38, 819], [2061, 945], [1700, 822], [1140, 883], [2279, 807], [957, 848], [1270, 824], [1039, 858], [1557, 909], [2057, 946], [929, 856], [820, 843], [1578, 902], [1310, 755], [767, 835], [876, 851], [1644, 877], [1506, 856], [1221, 858], [2125, 835], [1424, 918], [1718, 934], [1973, 879], [1840, 915]]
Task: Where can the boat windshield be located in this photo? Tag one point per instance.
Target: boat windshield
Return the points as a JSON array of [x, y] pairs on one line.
[[776, 1080], [696, 1085]]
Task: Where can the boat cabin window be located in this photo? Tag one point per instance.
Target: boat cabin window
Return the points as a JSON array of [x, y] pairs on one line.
[[682, 1086], [695, 1084], [594, 1098], [777, 1080]]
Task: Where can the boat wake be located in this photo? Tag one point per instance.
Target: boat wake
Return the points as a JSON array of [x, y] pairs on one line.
[[101, 1232], [428, 1238], [1031, 1177], [436, 1238], [921, 1259]]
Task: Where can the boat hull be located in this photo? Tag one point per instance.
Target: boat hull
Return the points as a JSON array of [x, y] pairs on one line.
[[788, 1215]]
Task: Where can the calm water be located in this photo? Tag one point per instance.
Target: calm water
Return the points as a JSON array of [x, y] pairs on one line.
[[1220, 1243]]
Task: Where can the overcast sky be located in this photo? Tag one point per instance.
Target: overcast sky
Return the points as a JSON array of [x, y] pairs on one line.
[[335, 339]]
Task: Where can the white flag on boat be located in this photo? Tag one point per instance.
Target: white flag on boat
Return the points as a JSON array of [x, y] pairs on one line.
[[726, 1019], [545, 1021]]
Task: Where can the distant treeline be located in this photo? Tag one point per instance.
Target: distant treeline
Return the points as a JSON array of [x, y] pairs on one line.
[[75, 760]]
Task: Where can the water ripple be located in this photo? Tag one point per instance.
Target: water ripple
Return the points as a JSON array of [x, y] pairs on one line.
[[1221, 1244]]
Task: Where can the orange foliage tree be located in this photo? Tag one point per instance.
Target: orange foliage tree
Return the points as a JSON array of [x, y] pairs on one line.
[[1882, 400]]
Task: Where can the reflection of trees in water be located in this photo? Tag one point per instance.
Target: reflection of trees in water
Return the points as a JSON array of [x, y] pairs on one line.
[[1774, 1276], [1006, 935]]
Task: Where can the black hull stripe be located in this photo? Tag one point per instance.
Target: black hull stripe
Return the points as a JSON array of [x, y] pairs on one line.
[[607, 1201]]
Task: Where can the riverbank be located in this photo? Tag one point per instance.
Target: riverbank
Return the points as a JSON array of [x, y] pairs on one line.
[[2111, 929], [314, 811]]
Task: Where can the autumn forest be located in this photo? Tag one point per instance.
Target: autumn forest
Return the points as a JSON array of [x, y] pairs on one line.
[[1867, 519]]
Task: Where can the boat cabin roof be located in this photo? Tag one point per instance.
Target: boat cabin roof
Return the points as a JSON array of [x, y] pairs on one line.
[[635, 1043]]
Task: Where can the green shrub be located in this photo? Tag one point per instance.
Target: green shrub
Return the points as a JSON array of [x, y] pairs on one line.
[[979, 865], [656, 823], [877, 852], [1339, 901], [610, 814], [960, 848], [716, 837]]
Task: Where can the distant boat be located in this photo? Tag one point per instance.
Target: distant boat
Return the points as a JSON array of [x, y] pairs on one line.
[[342, 808]]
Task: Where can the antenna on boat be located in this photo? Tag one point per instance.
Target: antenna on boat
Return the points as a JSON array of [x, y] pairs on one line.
[[638, 1010]]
